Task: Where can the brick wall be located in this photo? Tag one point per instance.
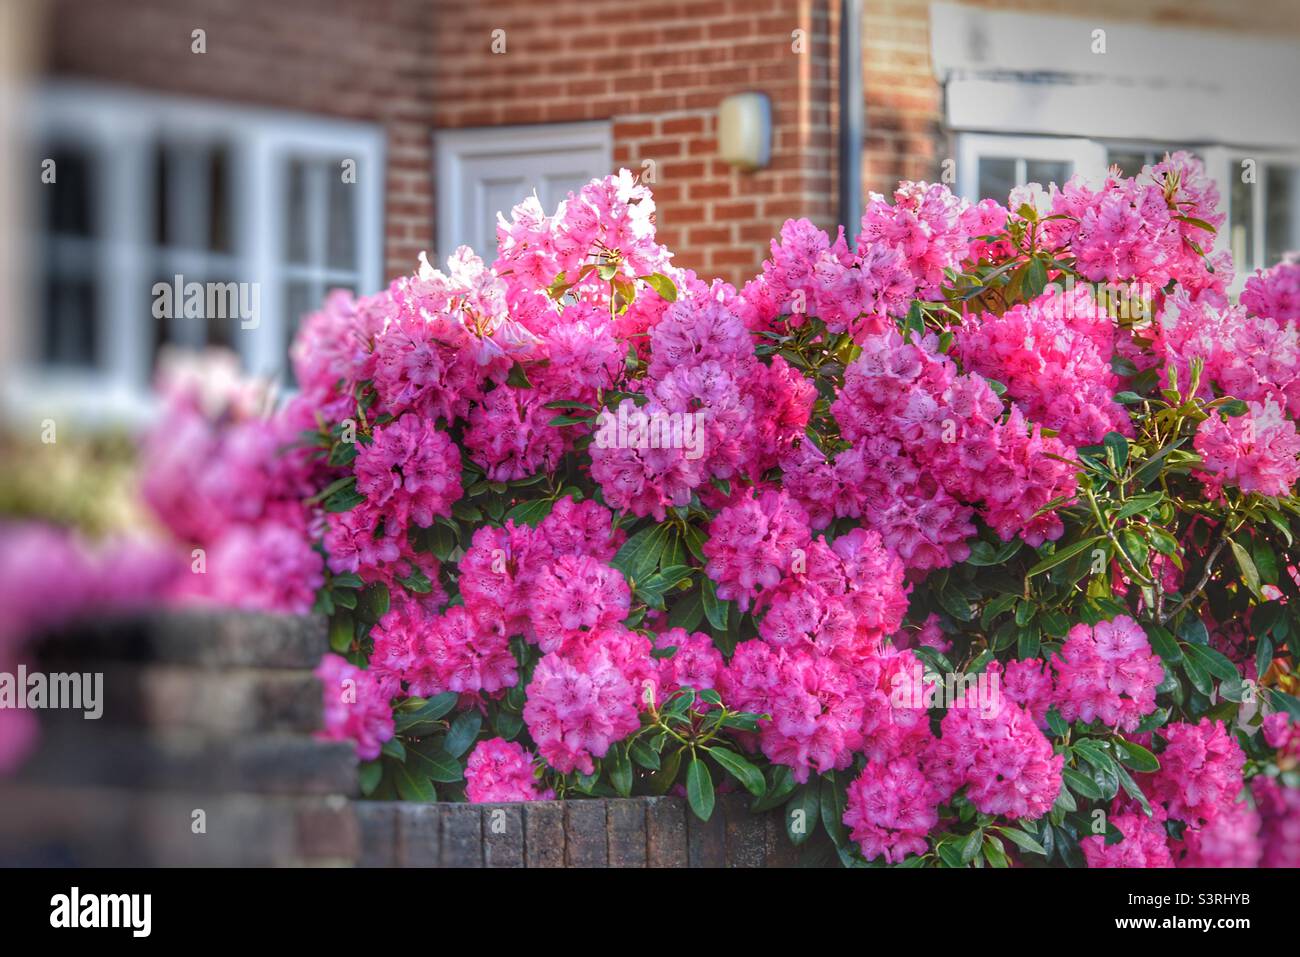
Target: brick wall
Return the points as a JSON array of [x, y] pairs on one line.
[[359, 61], [657, 70]]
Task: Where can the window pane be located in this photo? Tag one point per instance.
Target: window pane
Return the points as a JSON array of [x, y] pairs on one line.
[[68, 198], [1279, 217], [69, 330], [221, 324], [1044, 172], [300, 299], [296, 241], [220, 209], [161, 195], [1241, 221], [342, 246], [997, 177], [1130, 162]]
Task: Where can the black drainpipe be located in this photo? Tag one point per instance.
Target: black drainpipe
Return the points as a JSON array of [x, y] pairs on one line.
[[851, 117]]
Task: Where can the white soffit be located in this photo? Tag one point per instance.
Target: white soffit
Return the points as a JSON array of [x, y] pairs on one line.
[[1032, 73]]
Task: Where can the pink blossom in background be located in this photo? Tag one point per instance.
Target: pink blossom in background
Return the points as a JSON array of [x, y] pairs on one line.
[[356, 706]]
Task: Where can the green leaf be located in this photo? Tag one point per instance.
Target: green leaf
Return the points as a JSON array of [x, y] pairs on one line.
[[716, 610], [1164, 645], [518, 378], [801, 813], [1132, 790], [375, 601], [1193, 630], [1035, 278], [639, 556], [412, 786], [463, 732], [644, 755], [1249, 573], [428, 758], [1063, 554], [1117, 449], [1081, 784], [699, 788], [347, 481], [1136, 757], [780, 785], [1022, 840], [344, 501], [620, 771], [1265, 561], [369, 775], [342, 631], [994, 853], [418, 713], [1197, 673], [530, 513], [661, 284], [394, 749], [744, 772], [417, 582], [663, 779], [1213, 661], [970, 847]]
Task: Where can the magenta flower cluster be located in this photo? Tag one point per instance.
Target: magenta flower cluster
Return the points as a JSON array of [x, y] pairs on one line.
[[612, 406]]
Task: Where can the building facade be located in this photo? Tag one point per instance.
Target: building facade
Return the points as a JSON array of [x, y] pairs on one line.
[[311, 144]]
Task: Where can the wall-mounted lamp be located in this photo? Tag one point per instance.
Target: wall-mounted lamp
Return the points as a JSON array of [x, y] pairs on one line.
[[745, 130]]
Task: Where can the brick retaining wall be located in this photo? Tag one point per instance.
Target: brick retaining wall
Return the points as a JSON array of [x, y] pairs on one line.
[[213, 712]]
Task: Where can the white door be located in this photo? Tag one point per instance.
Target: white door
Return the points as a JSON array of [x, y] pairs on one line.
[[485, 171]]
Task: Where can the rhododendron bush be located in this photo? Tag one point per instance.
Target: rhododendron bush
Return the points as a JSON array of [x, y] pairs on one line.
[[970, 542]]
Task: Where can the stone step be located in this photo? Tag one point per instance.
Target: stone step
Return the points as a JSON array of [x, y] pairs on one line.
[[218, 701], [78, 753], [110, 827], [199, 637]]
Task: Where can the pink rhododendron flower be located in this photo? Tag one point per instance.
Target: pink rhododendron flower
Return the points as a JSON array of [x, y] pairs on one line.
[[1275, 292], [1004, 762], [1107, 672], [890, 809], [500, 771], [1279, 812], [752, 544], [1200, 771], [575, 595], [1255, 452], [1144, 843], [411, 471], [356, 706], [1230, 840], [586, 696]]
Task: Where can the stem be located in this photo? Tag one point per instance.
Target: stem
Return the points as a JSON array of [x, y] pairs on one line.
[[1119, 551], [1205, 577]]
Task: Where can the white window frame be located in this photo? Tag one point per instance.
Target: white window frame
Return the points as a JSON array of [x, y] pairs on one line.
[[119, 129], [1087, 157], [455, 150], [1223, 164]]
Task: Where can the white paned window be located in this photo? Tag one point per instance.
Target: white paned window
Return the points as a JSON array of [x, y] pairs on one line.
[[148, 188], [990, 165]]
